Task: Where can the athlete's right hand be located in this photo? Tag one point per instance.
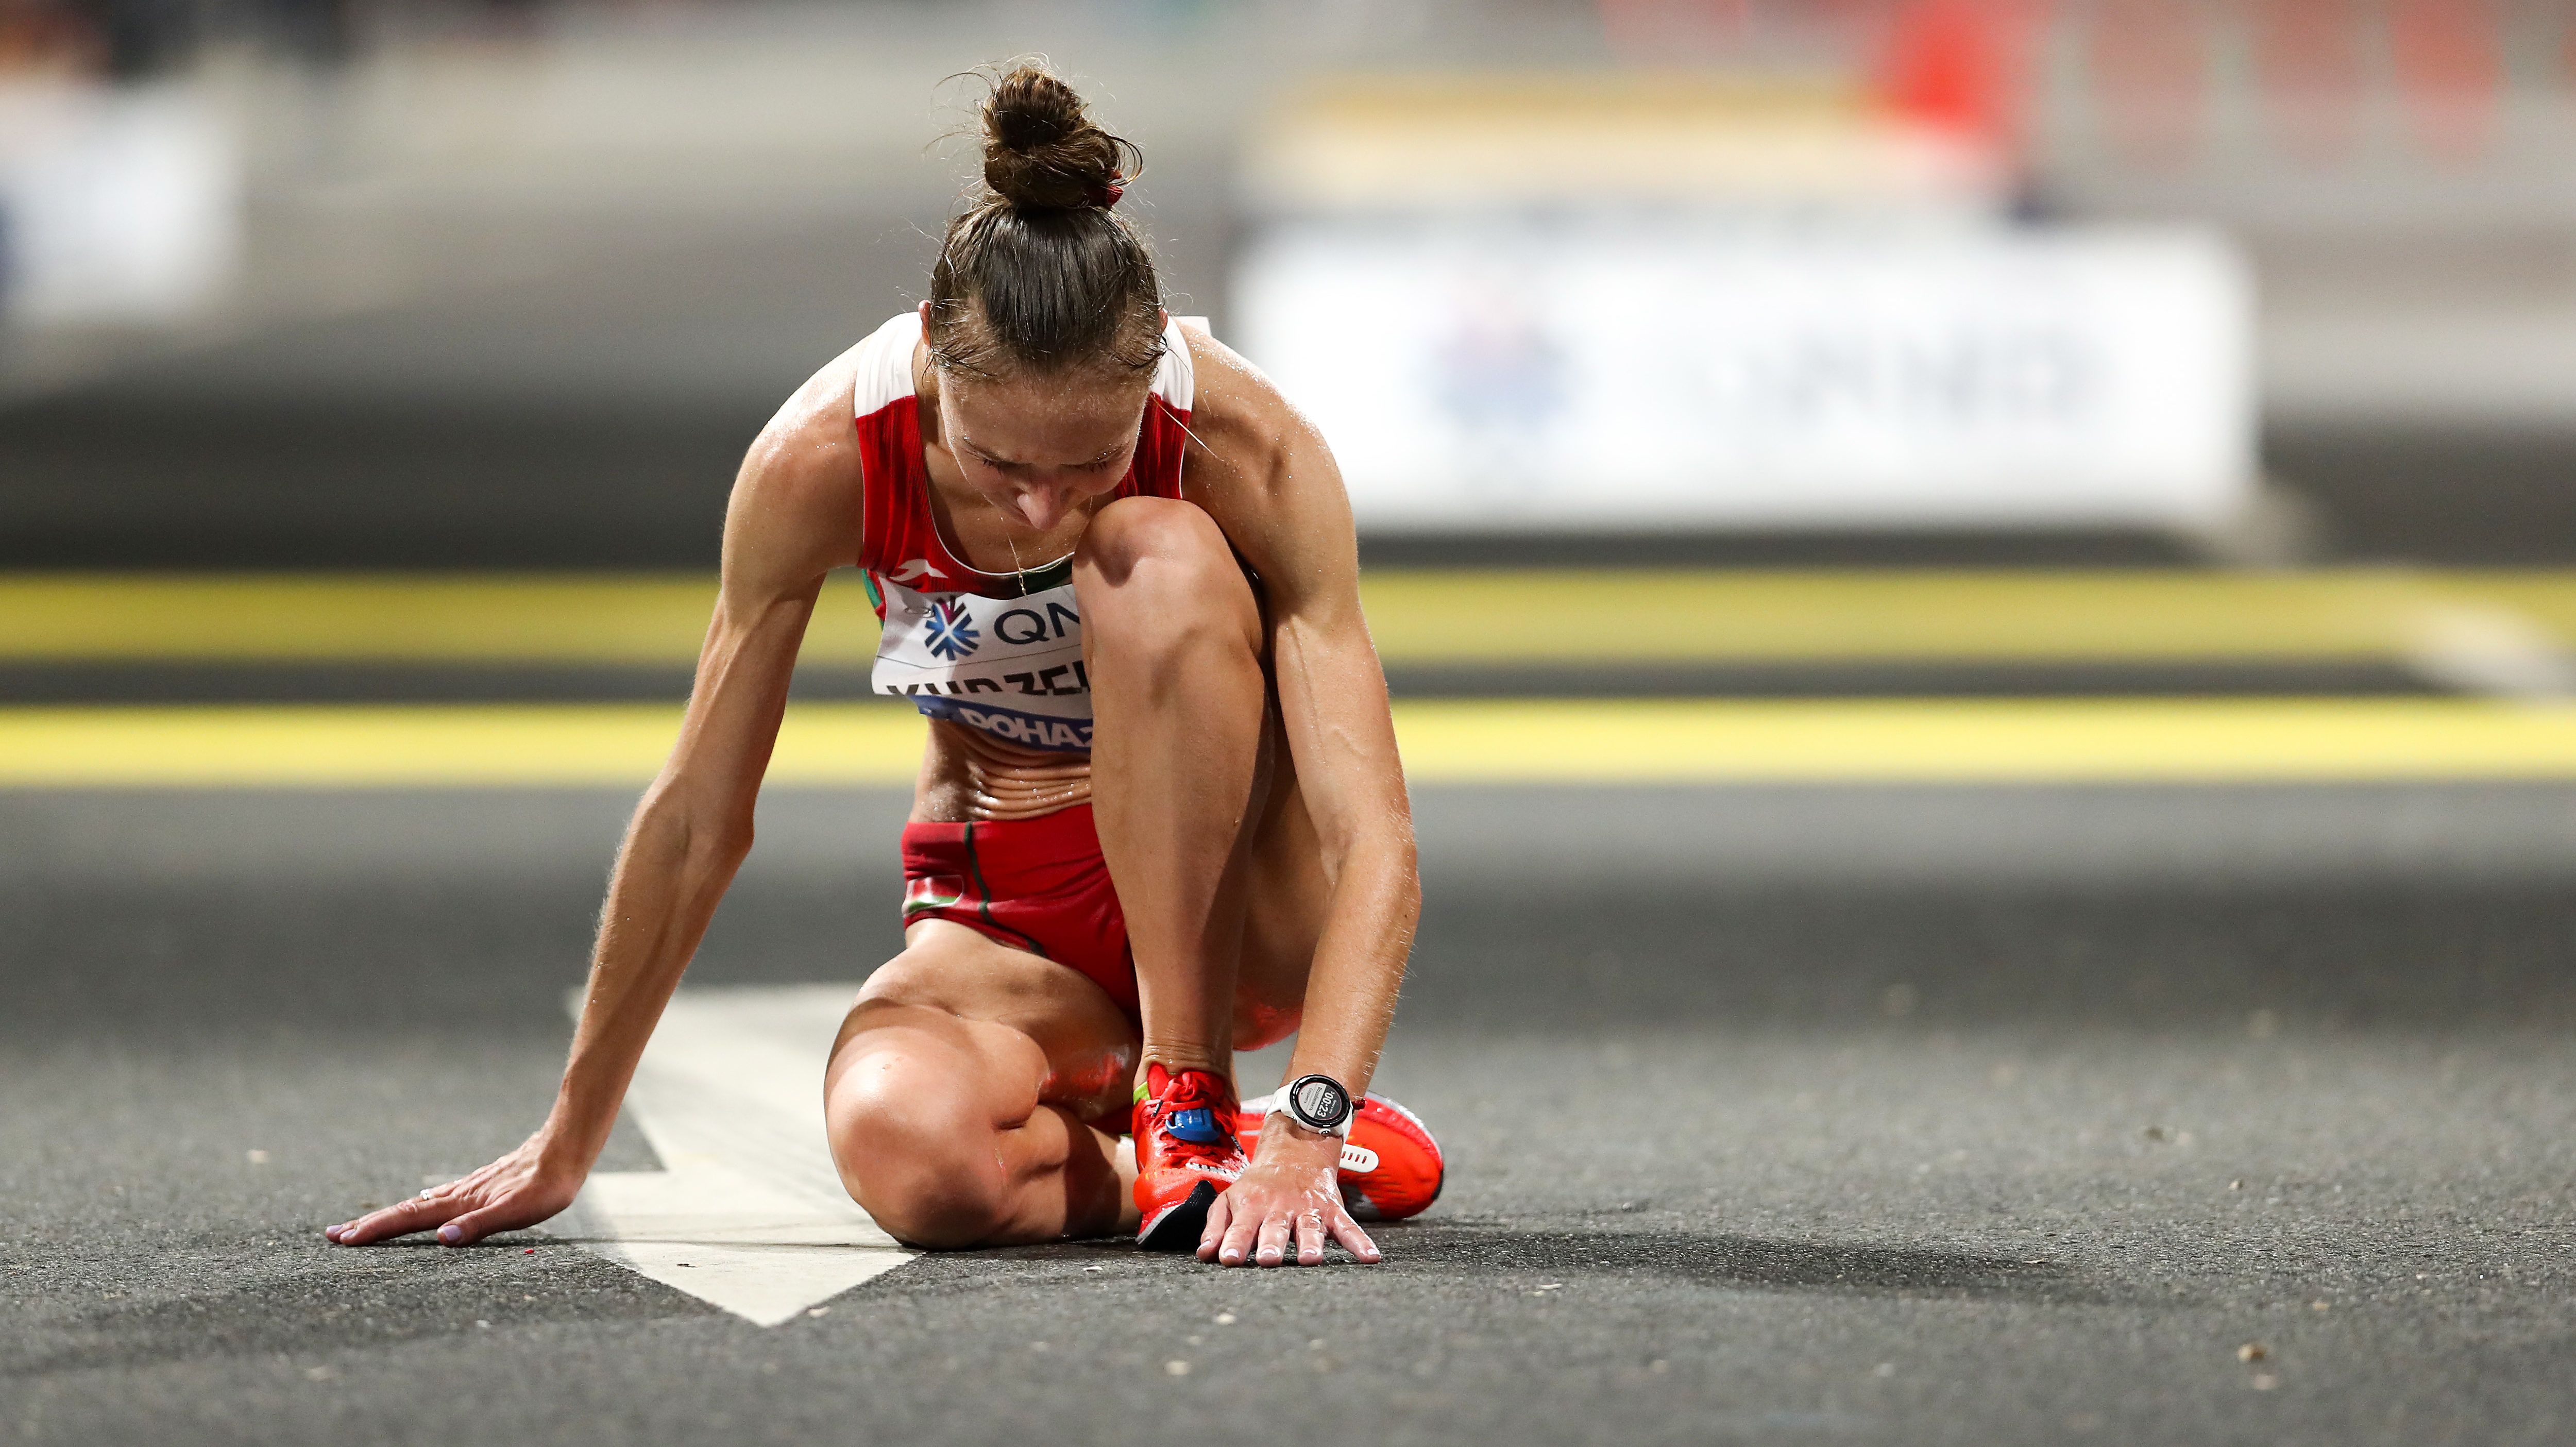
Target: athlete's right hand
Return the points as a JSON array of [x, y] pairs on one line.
[[520, 1189]]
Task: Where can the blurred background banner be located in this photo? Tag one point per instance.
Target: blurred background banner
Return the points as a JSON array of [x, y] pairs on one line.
[[1556, 375]]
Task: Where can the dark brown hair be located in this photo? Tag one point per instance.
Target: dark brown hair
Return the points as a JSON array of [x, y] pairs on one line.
[[1042, 275]]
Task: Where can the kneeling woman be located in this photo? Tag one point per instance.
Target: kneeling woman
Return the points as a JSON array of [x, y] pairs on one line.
[[1118, 572]]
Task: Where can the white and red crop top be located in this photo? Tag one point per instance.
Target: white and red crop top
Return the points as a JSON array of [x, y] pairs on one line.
[[1000, 652]]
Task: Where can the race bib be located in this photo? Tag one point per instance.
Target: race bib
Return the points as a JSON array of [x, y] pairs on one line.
[[1011, 667]]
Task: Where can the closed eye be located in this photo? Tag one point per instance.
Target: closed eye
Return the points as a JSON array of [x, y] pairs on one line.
[[1097, 464]]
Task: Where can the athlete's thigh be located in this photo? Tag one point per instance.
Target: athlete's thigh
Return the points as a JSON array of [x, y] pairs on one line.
[[1284, 906], [1022, 1030]]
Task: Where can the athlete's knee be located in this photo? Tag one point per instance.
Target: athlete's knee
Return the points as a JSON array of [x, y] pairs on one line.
[[1148, 532], [916, 1151], [1155, 571], [921, 1162]]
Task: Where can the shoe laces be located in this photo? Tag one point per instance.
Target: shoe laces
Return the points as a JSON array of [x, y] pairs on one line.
[[1194, 1117]]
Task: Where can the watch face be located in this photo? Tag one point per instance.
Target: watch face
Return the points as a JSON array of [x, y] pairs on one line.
[[1319, 1102]]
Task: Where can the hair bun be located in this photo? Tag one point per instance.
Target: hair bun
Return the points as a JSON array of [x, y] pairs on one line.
[[1041, 150]]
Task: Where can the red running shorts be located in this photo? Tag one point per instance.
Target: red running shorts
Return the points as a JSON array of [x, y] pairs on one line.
[[1034, 884]]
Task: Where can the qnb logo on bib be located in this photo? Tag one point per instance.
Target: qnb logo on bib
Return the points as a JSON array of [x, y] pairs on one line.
[[1008, 667], [949, 632]]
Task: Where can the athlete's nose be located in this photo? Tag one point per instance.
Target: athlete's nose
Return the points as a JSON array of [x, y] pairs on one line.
[[1041, 506]]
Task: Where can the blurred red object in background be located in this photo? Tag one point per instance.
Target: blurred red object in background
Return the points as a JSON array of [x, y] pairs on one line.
[[2309, 61], [1964, 66], [2151, 79], [1669, 32], [2450, 68]]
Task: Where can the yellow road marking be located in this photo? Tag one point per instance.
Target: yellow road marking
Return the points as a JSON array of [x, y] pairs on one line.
[[396, 745], [563, 619], [1466, 617], [1535, 615], [1984, 740], [1568, 741]]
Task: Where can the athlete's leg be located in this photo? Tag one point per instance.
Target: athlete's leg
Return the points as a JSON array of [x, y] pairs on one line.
[[1218, 864], [1173, 643], [962, 1092]]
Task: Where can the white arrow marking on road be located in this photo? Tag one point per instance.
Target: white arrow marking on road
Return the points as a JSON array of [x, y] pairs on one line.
[[747, 1212]]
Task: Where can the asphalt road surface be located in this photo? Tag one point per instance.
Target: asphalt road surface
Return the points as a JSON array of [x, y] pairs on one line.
[[1778, 1115]]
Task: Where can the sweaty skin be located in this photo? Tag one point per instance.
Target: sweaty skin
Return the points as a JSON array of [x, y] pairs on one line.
[[1244, 780]]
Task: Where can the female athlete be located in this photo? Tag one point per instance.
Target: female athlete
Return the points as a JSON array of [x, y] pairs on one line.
[[1160, 818]]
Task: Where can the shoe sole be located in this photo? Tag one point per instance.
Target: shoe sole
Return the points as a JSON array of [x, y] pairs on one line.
[[1181, 1225]]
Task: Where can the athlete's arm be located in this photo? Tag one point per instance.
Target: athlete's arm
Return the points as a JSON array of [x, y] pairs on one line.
[[794, 515], [1268, 479]]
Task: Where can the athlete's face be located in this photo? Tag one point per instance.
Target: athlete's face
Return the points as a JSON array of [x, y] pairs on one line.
[[1039, 449]]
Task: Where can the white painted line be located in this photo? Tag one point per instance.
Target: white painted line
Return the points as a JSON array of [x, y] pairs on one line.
[[747, 1212], [2489, 649]]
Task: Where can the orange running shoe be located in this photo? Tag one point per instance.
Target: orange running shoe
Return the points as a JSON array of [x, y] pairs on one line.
[[1391, 1167], [1186, 1152]]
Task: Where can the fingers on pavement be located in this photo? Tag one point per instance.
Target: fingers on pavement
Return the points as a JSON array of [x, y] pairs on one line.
[[1354, 1240], [473, 1226], [1274, 1240], [1310, 1239], [1240, 1229], [1212, 1236], [417, 1214]]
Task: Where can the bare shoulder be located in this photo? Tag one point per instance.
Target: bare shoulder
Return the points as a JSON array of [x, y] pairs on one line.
[[1246, 431], [801, 483]]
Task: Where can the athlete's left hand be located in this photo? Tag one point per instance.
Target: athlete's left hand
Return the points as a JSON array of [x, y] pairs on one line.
[[1289, 1197]]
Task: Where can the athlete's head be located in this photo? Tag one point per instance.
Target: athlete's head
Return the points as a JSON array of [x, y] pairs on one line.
[[1045, 320]]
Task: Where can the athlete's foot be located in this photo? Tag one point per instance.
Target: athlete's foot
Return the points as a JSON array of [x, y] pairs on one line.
[[1391, 1167], [1186, 1152]]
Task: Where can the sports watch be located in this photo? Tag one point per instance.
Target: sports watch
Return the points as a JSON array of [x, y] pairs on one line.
[[1318, 1102]]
